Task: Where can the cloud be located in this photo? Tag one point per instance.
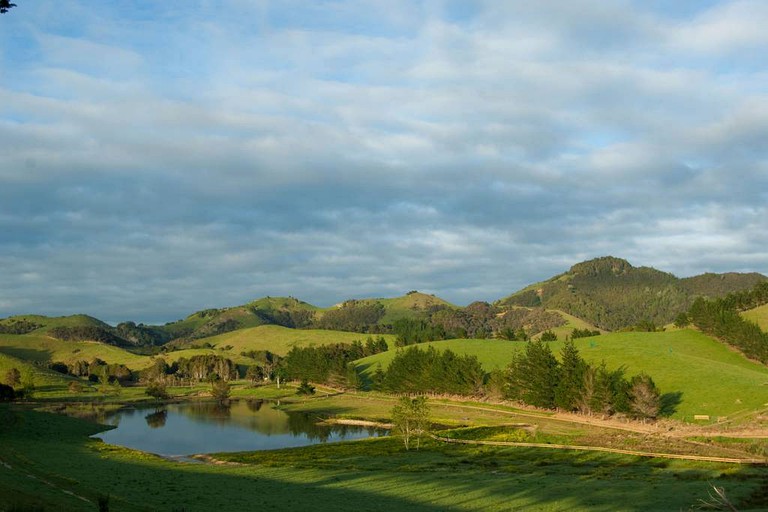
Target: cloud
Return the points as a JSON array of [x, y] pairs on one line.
[[155, 160]]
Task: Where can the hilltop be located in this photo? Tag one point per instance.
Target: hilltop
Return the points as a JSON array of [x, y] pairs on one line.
[[612, 294]]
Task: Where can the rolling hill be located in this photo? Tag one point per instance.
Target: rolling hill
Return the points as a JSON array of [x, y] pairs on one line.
[[713, 379], [612, 294]]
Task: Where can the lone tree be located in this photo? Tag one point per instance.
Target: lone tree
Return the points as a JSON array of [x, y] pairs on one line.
[[645, 397], [410, 418], [305, 388], [220, 391]]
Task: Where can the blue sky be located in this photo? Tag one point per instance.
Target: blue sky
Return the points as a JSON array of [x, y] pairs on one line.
[[158, 158]]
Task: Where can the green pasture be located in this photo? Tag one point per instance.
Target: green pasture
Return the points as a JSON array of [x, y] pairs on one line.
[[712, 379], [49, 462], [41, 348], [279, 340]]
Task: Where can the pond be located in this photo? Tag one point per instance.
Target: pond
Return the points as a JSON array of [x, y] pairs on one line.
[[176, 430]]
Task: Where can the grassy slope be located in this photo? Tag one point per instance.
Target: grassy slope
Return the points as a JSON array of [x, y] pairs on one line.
[[572, 323], [280, 340], [375, 475], [42, 377], [34, 347], [758, 315], [714, 380], [276, 339]]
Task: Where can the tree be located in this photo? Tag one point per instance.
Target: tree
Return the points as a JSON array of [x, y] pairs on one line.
[[410, 418], [305, 388], [533, 375], [352, 378], [13, 377], [378, 379], [645, 397], [254, 373], [571, 378], [157, 391], [220, 390]]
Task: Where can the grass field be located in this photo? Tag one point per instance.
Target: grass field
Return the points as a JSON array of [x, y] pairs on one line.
[[280, 340], [375, 475], [713, 379], [41, 348], [758, 315]]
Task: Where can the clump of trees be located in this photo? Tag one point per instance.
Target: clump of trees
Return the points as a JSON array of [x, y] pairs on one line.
[[199, 368], [584, 333], [95, 369], [85, 333], [18, 326], [537, 378], [430, 371], [353, 315], [331, 364], [720, 318], [479, 320]]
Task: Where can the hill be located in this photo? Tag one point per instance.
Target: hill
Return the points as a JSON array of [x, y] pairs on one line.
[[712, 379], [284, 311], [274, 338], [612, 294]]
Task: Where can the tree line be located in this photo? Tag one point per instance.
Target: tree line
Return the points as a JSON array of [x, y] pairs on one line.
[[720, 318], [536, 377], [331, 364]]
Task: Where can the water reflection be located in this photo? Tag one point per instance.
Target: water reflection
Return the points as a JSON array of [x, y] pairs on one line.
[[205, 427], [156, 419]]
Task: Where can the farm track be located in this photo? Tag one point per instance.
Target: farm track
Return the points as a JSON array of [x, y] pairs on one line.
[[603, 449]]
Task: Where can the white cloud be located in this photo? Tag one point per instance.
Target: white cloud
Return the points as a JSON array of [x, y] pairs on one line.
[[154, 162]]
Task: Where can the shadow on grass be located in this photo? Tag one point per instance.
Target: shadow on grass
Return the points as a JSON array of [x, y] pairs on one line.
[[369, 475], [669, 403], [27, 354]]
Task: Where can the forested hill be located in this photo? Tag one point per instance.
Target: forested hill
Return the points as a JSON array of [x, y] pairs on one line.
[[612, 294]]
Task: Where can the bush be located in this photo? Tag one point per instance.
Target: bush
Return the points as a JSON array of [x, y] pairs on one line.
[[305, 388], [157, 391]]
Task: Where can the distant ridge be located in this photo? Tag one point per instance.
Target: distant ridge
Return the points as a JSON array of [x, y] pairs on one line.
[[612, 294], [606, 292]]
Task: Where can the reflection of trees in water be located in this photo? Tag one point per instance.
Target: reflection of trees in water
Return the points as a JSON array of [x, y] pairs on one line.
[[157, 419], [208, 411], [307, 424], [303, 423], [254, 405]]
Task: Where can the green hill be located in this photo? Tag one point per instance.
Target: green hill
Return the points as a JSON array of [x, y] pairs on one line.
[[44, 349], [277, 339], [40, 324], [612, 294], [713, 379], [284, 311], [42, 377]]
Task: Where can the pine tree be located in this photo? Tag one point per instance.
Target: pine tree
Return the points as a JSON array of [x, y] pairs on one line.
[[571, 378]]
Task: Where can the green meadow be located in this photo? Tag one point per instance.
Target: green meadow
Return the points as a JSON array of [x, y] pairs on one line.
[[48, 461], [711, 378], [280, 340]]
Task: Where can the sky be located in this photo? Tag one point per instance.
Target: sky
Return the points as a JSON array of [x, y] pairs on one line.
[[161, 157]]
